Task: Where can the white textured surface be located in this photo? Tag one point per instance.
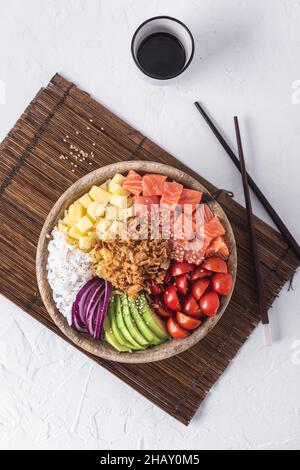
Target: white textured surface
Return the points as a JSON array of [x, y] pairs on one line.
[[247, 58]]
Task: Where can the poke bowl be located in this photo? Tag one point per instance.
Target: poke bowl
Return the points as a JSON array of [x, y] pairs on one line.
[[136, 262]]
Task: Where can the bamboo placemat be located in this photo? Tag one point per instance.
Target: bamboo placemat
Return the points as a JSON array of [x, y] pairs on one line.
[[32, 178]]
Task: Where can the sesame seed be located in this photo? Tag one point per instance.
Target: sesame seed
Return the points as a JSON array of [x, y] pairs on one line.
[[102, 129], [88, 128], [91, 120], [77, 132]]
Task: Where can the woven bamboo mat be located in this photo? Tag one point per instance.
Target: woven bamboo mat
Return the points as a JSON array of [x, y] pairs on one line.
[[32, 177]]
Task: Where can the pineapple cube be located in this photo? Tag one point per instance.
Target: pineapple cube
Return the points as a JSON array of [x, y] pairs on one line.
[[116, 188], [127, 213], [87, 243], [114, 228], [84, 225], [76, 212], [112, 213], [86, 201], [122, 202], [118, 228], [102, 229], [96, 210], [118, 179], [105, 185], [100, 195], [75, 233], [61, 226]]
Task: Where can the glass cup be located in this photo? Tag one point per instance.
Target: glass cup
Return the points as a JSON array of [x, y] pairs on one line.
[[170, 31]]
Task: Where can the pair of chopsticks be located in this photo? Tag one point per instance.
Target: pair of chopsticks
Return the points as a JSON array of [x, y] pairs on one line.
[[248, 181]]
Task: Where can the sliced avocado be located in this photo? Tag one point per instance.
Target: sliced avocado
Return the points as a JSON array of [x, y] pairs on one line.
[[122, 327], [130, 323], [112, 316], [141, 325], [151, 319], [111, 339]]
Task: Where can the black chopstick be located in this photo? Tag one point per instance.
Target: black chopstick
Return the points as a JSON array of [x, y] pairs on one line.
[[257, 264], [271, 211]]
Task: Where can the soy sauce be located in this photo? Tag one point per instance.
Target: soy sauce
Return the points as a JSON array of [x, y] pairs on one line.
[[161, 55]]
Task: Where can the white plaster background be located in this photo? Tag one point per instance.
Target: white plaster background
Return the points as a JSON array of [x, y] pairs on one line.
[[247, 57]]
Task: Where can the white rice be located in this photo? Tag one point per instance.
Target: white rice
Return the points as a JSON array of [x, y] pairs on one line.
[[68, 270]]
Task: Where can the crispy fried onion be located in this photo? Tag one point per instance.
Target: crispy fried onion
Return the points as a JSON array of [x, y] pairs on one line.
[[130, 265]]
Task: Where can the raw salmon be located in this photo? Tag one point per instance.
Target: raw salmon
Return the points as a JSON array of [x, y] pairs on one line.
[[185, 226], [153, 185], [195, 251], [213, 229], [189, 196], [142, 204], [177, 249], [218, 247], [208, 215], [133, 183], [171, 194], [202, 215]]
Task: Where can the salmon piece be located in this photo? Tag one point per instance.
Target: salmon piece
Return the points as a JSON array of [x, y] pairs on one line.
[[199, 216], [208, 215], [133, 183], [184, 224], [142, 204], [195, 250], [190, 196], [177, 249], [171, 194], [213, 229], [202, 215], [218, 247], [191, 251], [153, 185]]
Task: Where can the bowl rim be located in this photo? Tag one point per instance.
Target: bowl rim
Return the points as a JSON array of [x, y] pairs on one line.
[[100, 348]]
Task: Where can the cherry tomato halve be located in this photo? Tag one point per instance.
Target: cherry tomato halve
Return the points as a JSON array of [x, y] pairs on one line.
[[175, 330], [210, 304], [176, 268], [187, 322], [215, 264], [199, 273], [190, 306], [171, 298], [222, 283], [199, 287], [156, 288], [181, 283], [161, 309]]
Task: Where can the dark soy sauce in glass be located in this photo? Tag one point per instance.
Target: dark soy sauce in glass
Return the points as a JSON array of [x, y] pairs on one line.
[[161, 55]]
